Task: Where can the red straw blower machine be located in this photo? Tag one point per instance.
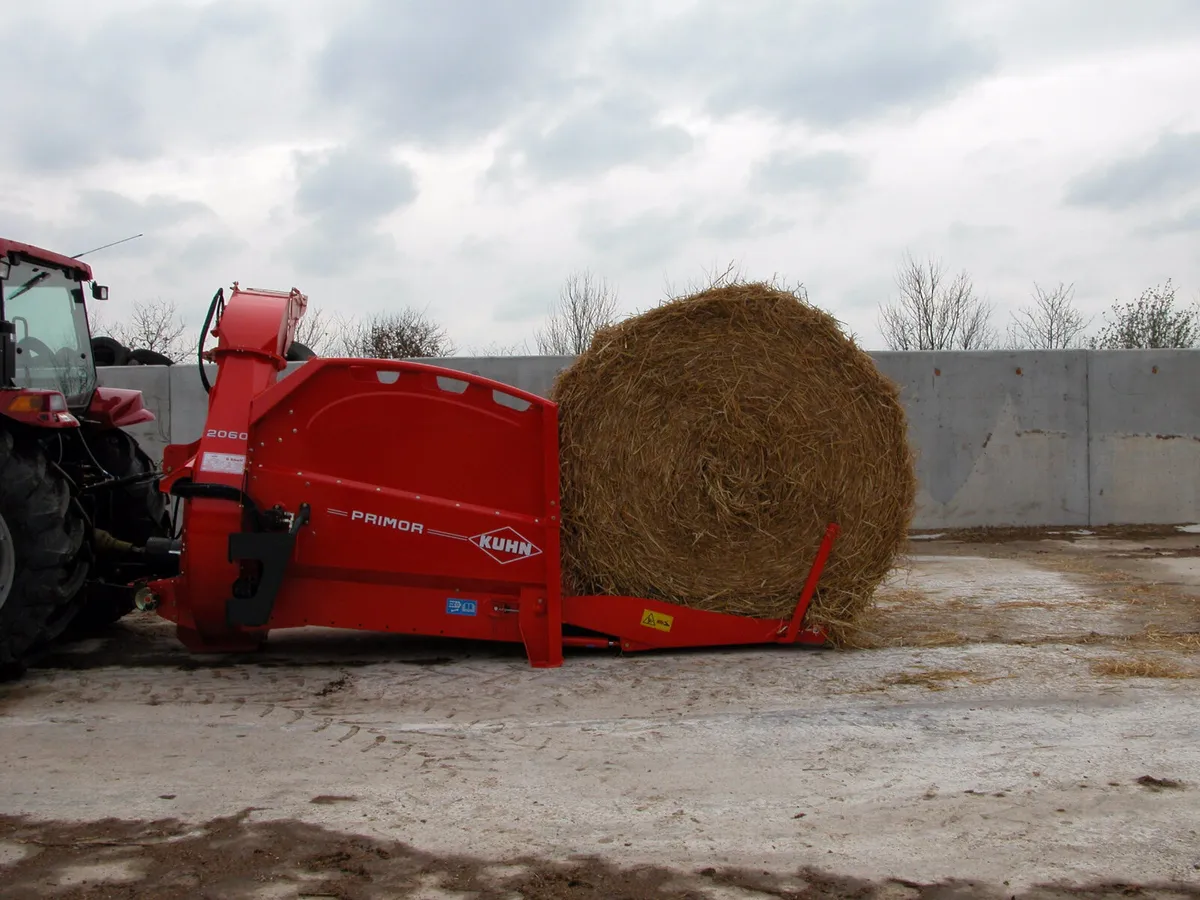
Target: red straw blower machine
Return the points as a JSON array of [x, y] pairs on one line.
[[386, 495]]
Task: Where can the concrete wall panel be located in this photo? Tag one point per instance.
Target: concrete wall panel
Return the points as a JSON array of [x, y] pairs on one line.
[[1000, 438], [1144, 436]]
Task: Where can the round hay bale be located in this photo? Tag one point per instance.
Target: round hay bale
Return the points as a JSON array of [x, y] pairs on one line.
[[707, 444]]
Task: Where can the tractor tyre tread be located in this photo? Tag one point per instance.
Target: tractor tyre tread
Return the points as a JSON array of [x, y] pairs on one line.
[[144, 357], [48, 533], [108, 351], [299, 352]]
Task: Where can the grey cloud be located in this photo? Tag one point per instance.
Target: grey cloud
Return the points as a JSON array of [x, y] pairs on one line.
[[965, 233], [613, 131], [1040, 31], [1169, 167], [155, 212], [1185, 223], [749, 222], [183, 239], [344, 194], [478, 249], [349, 185], [525, 307], [827, 64], [433, 71], [820, 171], [165, 223], [650, 237], [864, 295], [133, 85], [207, 252], [328, 252]]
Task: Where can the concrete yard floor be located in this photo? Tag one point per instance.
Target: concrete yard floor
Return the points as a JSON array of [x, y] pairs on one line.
[[1024, 722]]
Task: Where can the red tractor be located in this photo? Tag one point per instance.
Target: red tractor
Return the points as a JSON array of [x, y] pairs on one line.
[[81, 516]]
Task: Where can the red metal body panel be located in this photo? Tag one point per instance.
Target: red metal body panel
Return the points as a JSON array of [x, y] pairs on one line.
[[649, 624], [425, 501], [58, 259], [118, 407]]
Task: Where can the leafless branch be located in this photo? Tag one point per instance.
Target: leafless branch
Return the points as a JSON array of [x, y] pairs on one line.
[[1051, 323], [155, 326], [936, 313], [495, 348], [586, 304], [318, 332], [405, 334]]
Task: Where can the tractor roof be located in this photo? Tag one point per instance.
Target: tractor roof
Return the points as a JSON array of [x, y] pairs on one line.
[[47, 256]]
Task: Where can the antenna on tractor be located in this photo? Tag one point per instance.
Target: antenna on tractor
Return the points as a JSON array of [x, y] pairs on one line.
[[106, 246]]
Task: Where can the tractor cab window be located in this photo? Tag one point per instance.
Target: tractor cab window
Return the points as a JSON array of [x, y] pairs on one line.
[[53, 350]]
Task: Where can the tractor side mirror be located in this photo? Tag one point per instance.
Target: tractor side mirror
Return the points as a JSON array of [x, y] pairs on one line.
[[99, 291]]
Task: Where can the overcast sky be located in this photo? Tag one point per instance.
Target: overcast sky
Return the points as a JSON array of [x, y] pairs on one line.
[[465, 157]]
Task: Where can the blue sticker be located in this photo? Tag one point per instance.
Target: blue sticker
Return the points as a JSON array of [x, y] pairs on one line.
[[460, 607]]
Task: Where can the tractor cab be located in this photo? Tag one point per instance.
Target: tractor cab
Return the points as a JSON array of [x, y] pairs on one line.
[[45, 343], [66, 567]]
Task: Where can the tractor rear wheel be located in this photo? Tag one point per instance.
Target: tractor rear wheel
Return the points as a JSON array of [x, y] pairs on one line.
[[43, 553], [133, 512]]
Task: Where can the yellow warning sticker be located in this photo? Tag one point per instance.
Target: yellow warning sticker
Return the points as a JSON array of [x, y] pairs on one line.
[[657, 621]]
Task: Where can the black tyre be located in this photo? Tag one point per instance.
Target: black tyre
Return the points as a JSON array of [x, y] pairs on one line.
[[298, 352], [108, 351], [44, 552], [132, 512], [148, 358]]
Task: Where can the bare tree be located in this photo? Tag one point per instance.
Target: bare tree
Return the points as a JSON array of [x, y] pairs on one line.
[[1051, 323], [318, 332], [936, 313], [585, 305], [406, 334], [1150, 321], [156, 326]]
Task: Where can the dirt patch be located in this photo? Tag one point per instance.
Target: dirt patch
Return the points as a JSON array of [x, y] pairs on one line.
[[1160, 784], [933, 679], [1023, 593], [233, 857], [930, 679], [329, 799], [1069, 533], [332, 687]]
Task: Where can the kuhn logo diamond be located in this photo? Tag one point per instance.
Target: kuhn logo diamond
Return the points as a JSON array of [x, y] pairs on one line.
[[505, 545]]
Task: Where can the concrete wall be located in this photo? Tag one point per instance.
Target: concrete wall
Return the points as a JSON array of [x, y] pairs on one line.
[[1000, 438], [1071, 438], [1144, 436]]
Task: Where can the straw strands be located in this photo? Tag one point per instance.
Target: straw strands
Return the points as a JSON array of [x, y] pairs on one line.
[[706, 445]]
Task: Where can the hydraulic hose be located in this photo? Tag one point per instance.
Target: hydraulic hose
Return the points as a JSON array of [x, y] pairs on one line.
[[218, 299]]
